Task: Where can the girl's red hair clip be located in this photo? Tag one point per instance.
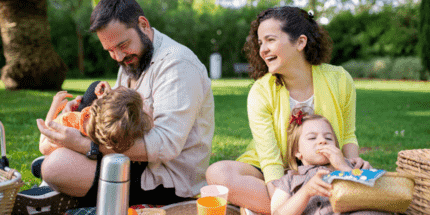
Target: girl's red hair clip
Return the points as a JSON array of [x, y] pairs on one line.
[[298, 118]]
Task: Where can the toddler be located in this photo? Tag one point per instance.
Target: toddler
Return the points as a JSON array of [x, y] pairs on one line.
[[114, 119]]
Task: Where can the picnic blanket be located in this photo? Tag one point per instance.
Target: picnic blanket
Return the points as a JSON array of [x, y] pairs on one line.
[[92, 210]]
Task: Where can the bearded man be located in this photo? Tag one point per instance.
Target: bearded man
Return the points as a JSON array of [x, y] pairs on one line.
[[169, 162]]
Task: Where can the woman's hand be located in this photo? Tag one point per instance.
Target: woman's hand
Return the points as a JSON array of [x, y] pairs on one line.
[[317, 187], [359, 163], [335, 156]]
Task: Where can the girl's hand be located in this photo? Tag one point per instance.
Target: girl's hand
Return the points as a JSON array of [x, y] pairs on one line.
[[317, 187], [101, 89], [335, 156]]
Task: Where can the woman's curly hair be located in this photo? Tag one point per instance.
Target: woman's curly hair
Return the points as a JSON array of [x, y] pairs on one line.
[[118, 119], [295, 22]]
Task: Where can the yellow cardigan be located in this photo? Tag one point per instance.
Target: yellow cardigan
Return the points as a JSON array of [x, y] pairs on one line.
[[269, 114]]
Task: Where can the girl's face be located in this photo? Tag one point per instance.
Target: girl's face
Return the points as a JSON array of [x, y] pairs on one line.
[[276, 49], [315, 134]]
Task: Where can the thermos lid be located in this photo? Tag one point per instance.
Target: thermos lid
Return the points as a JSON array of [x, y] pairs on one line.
[[115, 168]]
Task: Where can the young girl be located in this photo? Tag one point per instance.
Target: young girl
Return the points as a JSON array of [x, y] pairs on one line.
[[115, 118], [313, 142]]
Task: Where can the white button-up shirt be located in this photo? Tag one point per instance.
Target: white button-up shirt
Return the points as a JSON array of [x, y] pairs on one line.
[[177, 94]]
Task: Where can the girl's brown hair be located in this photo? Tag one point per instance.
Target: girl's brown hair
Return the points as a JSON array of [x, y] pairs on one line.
[[294, 22], [118, 119], [294, 132]]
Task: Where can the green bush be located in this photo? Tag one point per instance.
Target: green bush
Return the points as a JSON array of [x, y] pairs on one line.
[[356, 68], [392, 32], [402, 68], [380, 68], [406, 68]]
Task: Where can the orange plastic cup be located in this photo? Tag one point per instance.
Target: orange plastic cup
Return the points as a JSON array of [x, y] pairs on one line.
[[211, 205]]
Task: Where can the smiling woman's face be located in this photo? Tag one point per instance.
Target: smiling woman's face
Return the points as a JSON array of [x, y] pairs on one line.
[[276, 48]]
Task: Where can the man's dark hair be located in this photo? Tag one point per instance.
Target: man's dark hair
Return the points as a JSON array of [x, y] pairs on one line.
[[125, 11]]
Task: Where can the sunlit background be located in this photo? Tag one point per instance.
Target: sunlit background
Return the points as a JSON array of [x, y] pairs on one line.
[[338, 4]]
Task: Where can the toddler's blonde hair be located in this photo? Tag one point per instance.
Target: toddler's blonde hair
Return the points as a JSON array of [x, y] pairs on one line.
[[118, 119]]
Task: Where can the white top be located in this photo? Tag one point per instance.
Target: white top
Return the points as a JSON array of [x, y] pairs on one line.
[[309, 102], [177, 92]]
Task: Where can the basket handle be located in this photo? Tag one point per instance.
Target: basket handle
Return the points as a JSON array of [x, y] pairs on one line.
[[10, 173], [4, 162]]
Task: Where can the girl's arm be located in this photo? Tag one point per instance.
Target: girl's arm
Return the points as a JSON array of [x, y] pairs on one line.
[[282, 203]]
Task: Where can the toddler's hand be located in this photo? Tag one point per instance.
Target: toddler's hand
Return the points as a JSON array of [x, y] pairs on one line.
[[73, 105], [102, 88], [58, 103], [60, 97], [316, 186]]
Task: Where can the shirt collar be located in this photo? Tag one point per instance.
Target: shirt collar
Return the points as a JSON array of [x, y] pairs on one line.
[[156, 43]]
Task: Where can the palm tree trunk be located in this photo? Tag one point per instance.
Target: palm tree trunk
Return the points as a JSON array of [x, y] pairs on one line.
[[31, 61]]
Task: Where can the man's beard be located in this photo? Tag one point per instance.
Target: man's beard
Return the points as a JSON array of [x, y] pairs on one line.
[[132, 70]]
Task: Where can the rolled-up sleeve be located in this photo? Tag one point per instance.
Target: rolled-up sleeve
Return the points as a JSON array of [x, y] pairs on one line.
[[177, 93]]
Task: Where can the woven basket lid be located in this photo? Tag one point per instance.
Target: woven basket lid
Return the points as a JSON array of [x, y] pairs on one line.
[[190, 208]]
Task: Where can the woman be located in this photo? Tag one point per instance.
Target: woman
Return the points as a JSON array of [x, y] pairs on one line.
[[287, 51]]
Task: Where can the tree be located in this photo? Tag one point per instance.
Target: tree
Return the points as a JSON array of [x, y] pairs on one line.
[[31, 61], [74, 7], [424, 32]]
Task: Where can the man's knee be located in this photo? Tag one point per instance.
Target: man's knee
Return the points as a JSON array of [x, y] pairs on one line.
[[51, 163]]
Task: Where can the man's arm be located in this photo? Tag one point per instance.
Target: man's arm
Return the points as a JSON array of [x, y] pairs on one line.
[[136, 153], [64, 136]]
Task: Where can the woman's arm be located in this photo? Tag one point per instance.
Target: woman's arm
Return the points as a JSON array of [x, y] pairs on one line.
[[350, 151], [260, 115], [350, 148]]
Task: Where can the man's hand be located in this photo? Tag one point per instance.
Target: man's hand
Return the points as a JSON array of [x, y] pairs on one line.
[[61, 135], [359, 163], [73, 105]]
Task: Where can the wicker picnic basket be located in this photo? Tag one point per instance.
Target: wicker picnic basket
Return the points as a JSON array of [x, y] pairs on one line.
[[417, 163], [10, 179]]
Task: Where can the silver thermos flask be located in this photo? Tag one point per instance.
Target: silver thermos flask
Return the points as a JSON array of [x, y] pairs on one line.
[[114, 185]]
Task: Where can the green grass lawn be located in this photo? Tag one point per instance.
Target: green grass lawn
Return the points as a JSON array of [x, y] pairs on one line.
[[383, 107]]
